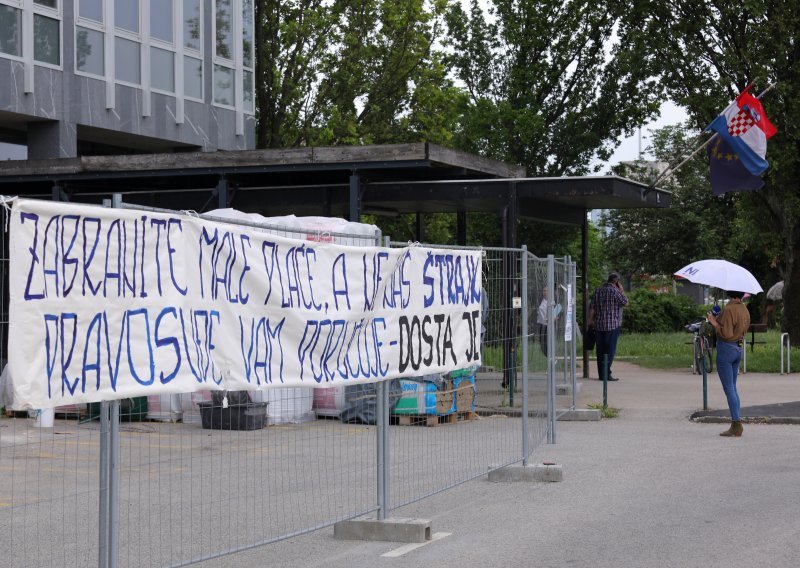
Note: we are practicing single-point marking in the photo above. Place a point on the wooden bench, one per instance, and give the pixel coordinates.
(752, 330)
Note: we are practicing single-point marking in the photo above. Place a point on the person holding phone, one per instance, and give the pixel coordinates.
(605, 316)
(731, 325)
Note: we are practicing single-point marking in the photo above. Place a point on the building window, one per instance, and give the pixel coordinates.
(247, 33)
(162, 69)
(223, 85)
(192, 25)
(128, 61)
(224, 29)
(126, 15)
(48, 3)
(161, 20)
(193, 77)
(89, 51)
(46, 40)
(247, 55)
(10, 31)
(247, 91)
(91, 9)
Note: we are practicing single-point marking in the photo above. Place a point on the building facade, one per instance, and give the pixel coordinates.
(90, 77)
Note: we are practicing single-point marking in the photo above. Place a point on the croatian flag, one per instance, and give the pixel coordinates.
(745, 128)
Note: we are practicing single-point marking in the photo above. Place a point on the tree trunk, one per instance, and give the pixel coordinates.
(790, 321)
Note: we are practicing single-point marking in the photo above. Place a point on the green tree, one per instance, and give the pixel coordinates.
(352, 72)
(552, 84)
(660, 241)
(709, 51)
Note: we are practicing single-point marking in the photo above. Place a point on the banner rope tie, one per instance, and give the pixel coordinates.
(6, 202)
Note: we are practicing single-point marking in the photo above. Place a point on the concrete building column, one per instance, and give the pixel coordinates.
(52, 139)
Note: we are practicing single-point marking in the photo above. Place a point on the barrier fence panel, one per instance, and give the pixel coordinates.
(467, 441)
(221, 491)
(141, 482)
(49, 484)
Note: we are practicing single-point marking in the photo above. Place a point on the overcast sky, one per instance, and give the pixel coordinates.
(629, 149)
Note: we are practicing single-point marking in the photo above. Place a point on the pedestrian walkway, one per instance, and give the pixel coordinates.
(648, 489)
(677, 392)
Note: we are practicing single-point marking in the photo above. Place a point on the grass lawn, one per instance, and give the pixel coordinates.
(674, 350)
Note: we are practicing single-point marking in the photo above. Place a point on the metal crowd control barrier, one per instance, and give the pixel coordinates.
(115, 484)
(787, 349)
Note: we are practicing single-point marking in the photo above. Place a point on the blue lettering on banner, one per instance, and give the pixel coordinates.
(113, 258)
(138, 339)
(339, 283)
(359, 357)
(66, 259)
(34, 256)
(88, 258)
(182, 290)
(168, 341)
(263, 339)
(159, 224)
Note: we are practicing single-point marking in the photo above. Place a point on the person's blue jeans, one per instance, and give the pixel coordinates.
(606, 346)
(728, 356)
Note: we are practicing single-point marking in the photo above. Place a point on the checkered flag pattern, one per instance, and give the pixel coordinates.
(740, 123)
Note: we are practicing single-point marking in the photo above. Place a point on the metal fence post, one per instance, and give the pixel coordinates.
(380, 449)
(102, 539)
(524, 294)
(113, 493)
(382, 434)
(574, 317)
(551, 351)
(785, 342)
(113, 462)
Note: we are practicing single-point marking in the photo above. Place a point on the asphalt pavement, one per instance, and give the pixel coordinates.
(650, 488)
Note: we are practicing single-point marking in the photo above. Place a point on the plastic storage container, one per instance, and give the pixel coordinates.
(250, 416)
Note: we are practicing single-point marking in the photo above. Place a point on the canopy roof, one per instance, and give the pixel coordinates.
(333, 181)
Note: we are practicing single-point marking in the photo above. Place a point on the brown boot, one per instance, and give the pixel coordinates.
(735, 430)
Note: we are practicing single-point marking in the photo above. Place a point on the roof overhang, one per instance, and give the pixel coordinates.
(390, 179)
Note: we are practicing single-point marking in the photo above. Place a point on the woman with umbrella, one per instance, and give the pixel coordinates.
(731, 325)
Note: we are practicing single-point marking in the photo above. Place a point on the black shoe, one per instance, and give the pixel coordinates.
(613, 379)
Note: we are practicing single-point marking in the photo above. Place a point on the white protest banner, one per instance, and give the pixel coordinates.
(112, 303)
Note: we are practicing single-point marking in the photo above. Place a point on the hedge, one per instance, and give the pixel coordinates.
(649, 312)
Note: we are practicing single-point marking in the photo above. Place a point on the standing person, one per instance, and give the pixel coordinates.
(605, 316)
(541, 322)
(731, 326)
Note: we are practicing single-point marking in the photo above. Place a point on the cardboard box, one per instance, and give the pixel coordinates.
(464, 388)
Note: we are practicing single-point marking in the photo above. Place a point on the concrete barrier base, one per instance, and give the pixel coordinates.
(533, 472)
(566, 389)
(581, 415)
(392, 530)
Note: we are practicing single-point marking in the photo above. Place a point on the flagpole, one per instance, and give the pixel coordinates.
(672, 169)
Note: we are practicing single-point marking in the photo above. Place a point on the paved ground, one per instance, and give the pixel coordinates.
(651, 488)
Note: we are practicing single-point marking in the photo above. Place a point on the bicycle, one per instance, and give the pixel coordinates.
(702, 346)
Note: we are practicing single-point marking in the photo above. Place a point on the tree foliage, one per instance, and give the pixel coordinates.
(351, 72)
(552, 84)
(712, 50)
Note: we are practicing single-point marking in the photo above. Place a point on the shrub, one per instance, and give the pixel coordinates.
(649, 312)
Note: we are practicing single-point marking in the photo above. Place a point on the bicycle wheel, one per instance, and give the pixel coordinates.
(702, 355)
(697, 354)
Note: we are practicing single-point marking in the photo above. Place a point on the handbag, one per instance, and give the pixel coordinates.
(589, 339)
